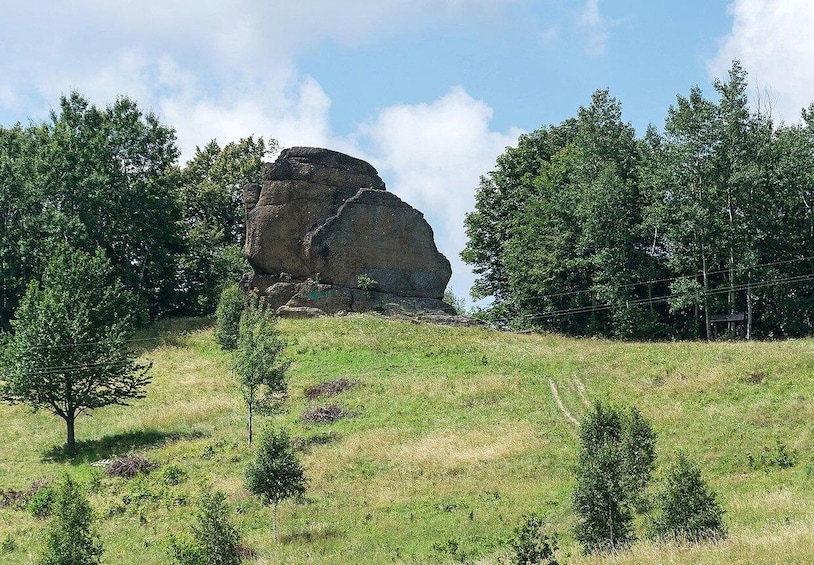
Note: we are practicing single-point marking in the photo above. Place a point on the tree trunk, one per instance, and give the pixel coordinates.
(70, 444)
(706, 291)
(275, 521)
(749, 307)
(251, 412)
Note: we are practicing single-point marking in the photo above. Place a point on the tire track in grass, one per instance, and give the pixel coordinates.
(560, 405)
(581, 391)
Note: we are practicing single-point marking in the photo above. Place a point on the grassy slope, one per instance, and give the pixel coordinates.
(456, 434)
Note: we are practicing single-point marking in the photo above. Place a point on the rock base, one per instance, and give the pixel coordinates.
(306, 299)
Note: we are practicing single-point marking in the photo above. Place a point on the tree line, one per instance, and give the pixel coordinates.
(703, 229)
(108, 179)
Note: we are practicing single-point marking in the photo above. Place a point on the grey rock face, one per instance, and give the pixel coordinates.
(326, 216)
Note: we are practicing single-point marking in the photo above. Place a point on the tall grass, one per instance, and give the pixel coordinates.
(453, 435)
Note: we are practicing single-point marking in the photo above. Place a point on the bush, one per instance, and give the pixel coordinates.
(70, 538)
(458, 303)
(685, 507)
(8, 545)
(41, 502)
(173, 475)
(227, 316)
(214, 540)
(366, 283)
(531, 545)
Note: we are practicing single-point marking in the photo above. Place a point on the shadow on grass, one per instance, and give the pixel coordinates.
(169, 331)
(311, 535)
(114, 445)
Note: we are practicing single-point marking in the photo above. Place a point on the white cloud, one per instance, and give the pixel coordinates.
(596, 26)
(773, 41)
(432, 156)
(227, 69)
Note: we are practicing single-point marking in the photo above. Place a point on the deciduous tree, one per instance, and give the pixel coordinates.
(275, 474)
(70, 537)
(258, 359)
(68, 353)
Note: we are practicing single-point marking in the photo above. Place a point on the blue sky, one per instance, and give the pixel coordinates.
(429, 91)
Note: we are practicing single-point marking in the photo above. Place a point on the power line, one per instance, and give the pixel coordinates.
(663, 298)
(668, 279)
(89, 343)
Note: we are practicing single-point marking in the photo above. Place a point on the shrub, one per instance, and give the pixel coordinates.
(366, 283)
(227, 316)
(530, 543)
(19, 499)
(214, 539)
(70, 538)
(685, 507)
(173, 475)
(41, 502)
(8, 545)
(458, 303)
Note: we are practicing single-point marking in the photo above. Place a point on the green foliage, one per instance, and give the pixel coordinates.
(531, 544)
(214, 541)
(639, 451)
(366, 282)
(8, 545)
(457, 302)
(582, 228)
(68, 353)
(109, 178)
(275, 474)
(42, 502)
(230, 307)
(616, 459)
(685, 507)
(211, 195)
(173, 475)
(258, 359)
(111, 183)
(779, 457)
(70, 538)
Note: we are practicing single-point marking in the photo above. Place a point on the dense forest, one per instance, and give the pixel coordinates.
(108, 179)
(702, 230)
(699, 230)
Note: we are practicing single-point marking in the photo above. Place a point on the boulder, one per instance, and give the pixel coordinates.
(324, 217)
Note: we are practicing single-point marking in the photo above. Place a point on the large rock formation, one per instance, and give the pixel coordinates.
(321, 223)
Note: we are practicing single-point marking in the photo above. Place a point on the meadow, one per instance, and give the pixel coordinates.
(450, 436)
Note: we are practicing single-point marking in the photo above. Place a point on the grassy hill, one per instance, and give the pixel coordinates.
(453, 435)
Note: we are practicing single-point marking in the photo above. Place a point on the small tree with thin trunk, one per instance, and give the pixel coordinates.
(686, 508)
(616, 460)
(214, 539)
(275, 474)
(70, 538)
(258, 359)
(68, 352)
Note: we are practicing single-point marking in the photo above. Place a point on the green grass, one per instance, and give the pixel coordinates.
(455, 435)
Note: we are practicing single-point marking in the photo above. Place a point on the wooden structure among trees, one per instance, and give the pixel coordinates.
(735, 325)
